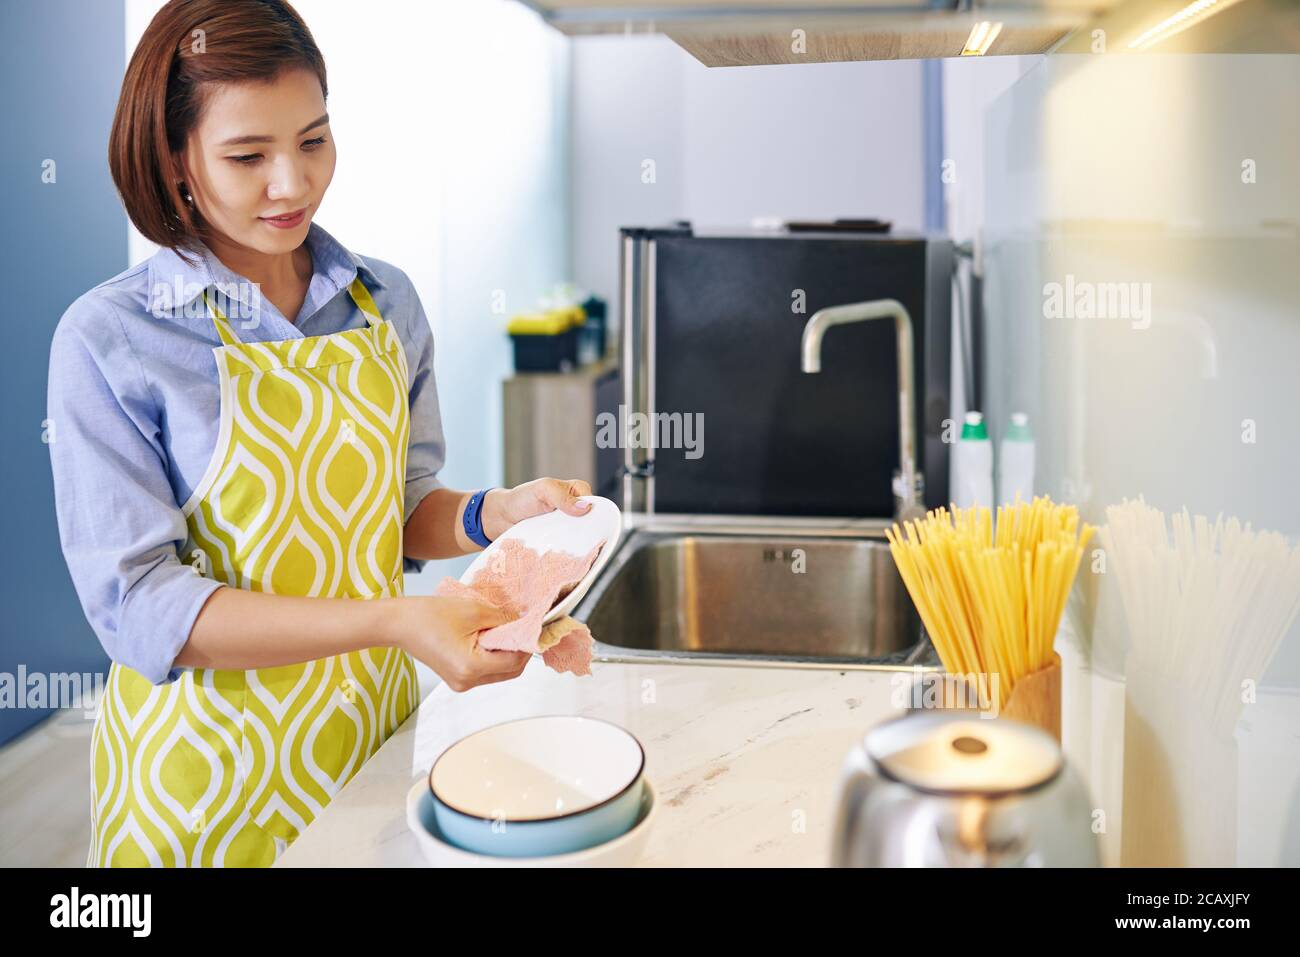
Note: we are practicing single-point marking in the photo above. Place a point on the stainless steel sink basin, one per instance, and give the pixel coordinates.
(754, 599)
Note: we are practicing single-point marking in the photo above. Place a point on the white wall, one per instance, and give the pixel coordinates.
(970, 87)
(626, 107)
(809, 141)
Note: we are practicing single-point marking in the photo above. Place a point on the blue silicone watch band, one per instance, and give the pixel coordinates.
(473, 520)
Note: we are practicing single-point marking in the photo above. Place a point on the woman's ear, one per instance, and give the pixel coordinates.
(188, 210)
(180, 167)
(180, 174)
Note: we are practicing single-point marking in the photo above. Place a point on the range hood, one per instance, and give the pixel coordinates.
(753, 32)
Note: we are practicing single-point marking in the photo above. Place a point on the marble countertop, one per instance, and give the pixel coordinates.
(745, 760)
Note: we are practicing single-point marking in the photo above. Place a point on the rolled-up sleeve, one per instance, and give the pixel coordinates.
(427, 450)
(119, 524)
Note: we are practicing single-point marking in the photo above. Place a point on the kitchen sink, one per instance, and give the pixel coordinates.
(784, 600)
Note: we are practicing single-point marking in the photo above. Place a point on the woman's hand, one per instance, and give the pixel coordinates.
(443, 633)
(504, 507)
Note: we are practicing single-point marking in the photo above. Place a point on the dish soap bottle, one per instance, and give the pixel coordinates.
(1016, 462)
(974, 459)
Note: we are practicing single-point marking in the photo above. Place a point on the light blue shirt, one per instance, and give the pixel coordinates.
(133, 412)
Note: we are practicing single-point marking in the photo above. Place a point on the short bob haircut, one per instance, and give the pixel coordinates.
(190, 43)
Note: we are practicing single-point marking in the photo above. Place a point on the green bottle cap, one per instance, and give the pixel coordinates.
(1018, 430)
(974, 428)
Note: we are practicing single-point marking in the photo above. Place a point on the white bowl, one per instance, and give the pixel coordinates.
(538, 786)
(622, 851)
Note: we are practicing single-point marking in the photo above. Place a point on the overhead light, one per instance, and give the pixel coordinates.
(981, 38)
(1188, 16)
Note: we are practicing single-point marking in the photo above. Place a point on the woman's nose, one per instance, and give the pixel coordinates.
(287, 182)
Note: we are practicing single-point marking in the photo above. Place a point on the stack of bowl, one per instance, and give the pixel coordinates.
(550, 791)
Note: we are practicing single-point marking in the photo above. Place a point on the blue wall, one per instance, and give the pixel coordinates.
(62, 70)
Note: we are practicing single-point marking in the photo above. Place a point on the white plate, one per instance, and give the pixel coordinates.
(622, 851)
(573, 534)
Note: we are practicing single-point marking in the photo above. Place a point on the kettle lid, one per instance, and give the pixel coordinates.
(958, 752)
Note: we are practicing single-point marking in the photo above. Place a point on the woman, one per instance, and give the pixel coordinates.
(246, 436)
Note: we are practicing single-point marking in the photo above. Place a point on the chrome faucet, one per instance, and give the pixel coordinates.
(908, 482)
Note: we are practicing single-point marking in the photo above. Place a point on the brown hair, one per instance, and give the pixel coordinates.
(190, 43)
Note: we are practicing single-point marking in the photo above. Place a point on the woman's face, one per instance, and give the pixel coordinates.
(260, 151)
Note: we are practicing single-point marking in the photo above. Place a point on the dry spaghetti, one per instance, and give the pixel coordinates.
(991, 600)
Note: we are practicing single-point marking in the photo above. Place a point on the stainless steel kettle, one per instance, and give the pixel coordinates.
(949, 788)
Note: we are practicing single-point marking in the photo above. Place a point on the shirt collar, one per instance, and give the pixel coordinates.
(174, 283)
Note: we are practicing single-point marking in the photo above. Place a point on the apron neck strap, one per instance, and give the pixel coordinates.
(224, 330)
(360, 295)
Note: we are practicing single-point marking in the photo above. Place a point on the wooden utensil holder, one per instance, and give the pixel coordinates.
(1036, 699)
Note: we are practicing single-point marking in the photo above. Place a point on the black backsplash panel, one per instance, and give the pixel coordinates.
(777, 441)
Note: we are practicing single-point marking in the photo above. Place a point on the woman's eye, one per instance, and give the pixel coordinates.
(312, 144)
(246, 159)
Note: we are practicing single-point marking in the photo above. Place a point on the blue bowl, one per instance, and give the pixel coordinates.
(538, 787)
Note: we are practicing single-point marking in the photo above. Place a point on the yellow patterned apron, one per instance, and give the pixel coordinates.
(303, 496)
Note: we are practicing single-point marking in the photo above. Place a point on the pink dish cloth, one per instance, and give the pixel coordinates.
(572, 652)
(528, 583)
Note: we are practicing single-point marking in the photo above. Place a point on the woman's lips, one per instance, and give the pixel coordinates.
(287, 221)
